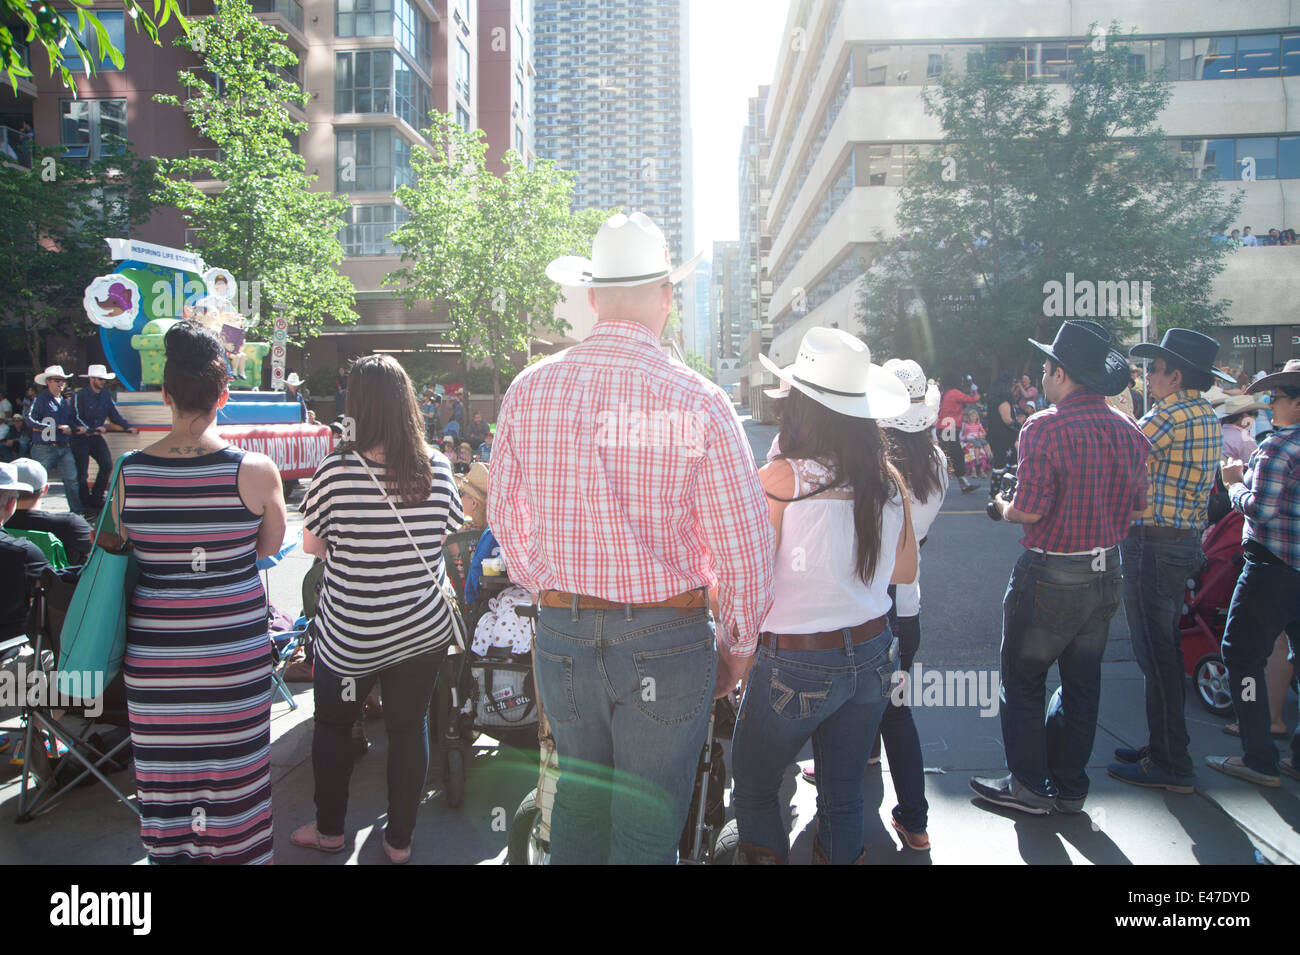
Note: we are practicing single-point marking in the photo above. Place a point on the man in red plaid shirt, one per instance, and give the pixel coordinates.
(622, 491)
(1081, 480)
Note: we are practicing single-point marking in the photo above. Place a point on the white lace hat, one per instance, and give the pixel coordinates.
(924, 410)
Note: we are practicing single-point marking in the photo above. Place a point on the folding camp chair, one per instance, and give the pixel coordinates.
(49, 545)
(286, 643)
(42, 788)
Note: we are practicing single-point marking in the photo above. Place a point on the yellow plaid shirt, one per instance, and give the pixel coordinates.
(1186, 445)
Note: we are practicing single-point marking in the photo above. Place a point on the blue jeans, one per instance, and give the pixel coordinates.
(1155, 579)
(1265, 602)
(1056, 610)
(58, 459)
(407, 687)
(836, 697)
(628, 694)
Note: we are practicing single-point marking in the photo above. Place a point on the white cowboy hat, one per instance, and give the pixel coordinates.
(99, 371)
(834, 369)
(628, 250)
(1236, 404)
(924, 395)
(293, 380)
(9, 479)
(54, 371)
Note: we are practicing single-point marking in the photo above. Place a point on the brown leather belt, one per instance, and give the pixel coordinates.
(827, 640)
(1156, 531)
(687, 602)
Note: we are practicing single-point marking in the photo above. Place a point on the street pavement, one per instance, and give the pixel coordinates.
(966, 562)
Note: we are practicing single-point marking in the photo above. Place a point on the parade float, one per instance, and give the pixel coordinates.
(152, 288)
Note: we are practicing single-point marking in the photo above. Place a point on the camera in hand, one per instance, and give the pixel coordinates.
(1002, 483)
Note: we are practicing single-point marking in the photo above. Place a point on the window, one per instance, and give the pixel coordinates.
(517, 107)
(363, 82)
(88, 126)
(1221, 59)
(1262, 150)
(1219, 159)
(519, 141)
(520, 56)
(363, 18)
(462, 71)
(371, 160)
(368, 228)
(1257, 55)
(462, 117)
(934, 66)
(462, 11)
(1291, 54)
(113, 24)
(1288, 157)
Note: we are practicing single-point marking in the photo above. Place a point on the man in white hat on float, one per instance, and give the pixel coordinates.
(94, 407)
(53, 421)
(622, 490)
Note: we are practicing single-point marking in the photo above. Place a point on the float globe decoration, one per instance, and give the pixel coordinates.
(152, 288)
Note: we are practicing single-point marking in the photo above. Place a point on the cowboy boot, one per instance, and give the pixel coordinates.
(819, 855)
(749, 854)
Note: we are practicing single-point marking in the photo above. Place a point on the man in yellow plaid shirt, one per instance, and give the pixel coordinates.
(1163, 547)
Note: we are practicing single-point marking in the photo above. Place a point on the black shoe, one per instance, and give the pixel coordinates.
(966, 485)
(1006, 791)
(1126, 754)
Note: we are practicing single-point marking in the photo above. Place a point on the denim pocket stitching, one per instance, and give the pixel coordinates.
(1047, 616)
(642, 657)
(810, 701)
(692, 619)
(567, 664)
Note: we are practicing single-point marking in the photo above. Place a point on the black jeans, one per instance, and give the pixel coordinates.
(85, 447)
(898, 731)
(956, 456)
(408, 686)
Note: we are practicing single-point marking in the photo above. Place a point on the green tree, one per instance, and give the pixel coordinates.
(41, 23)
(697, 362)
(1028, 186)
(265, 223)
(478, 244)
(57, 215)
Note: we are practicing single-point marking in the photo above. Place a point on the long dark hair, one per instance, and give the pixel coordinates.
(384, 412)
(913, 453)
(856, 452)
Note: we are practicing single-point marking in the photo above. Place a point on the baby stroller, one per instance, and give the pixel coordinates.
(491, 694)
(1205, 612)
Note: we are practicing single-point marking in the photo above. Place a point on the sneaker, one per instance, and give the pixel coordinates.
(1147, 774)
(1126, 754)
(919, 841)
(809, 775)
(1242, 771)
(1007, 791)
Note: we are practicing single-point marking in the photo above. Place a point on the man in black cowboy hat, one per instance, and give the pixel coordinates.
(1163, 548)
(1080, 481)
(1266, 491)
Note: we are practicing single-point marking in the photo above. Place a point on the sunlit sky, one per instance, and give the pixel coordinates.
(733, 47)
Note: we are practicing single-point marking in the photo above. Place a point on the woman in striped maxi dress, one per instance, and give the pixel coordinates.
(199, 514)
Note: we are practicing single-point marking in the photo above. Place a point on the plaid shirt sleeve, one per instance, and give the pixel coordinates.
(737, 529)
(1158, 426)
(1036, 480)
(1260, 496)
(508, 515)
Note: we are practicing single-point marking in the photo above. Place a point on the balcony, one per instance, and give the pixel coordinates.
(15, 148)
(286, 14)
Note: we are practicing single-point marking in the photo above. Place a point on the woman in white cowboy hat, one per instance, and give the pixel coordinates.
(1237, 418)
(826, 658)
(95, 408)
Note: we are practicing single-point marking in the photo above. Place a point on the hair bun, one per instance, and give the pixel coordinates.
(191, 345)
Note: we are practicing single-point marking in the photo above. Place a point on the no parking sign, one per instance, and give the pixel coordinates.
(279, 348)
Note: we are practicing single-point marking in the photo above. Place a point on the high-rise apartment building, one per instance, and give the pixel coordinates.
(844, 114)
(728, 309)
(755, 244)
(612, 106)
(506, 77)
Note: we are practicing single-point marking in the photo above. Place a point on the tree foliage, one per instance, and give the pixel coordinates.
(39, 22)
(478, 244)
(57, 215)
(264, 222)
(1032, 182)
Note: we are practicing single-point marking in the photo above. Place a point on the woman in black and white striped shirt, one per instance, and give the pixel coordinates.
(372, 503)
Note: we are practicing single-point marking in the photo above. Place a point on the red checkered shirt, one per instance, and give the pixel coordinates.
(1083, 467)
(621, 474)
